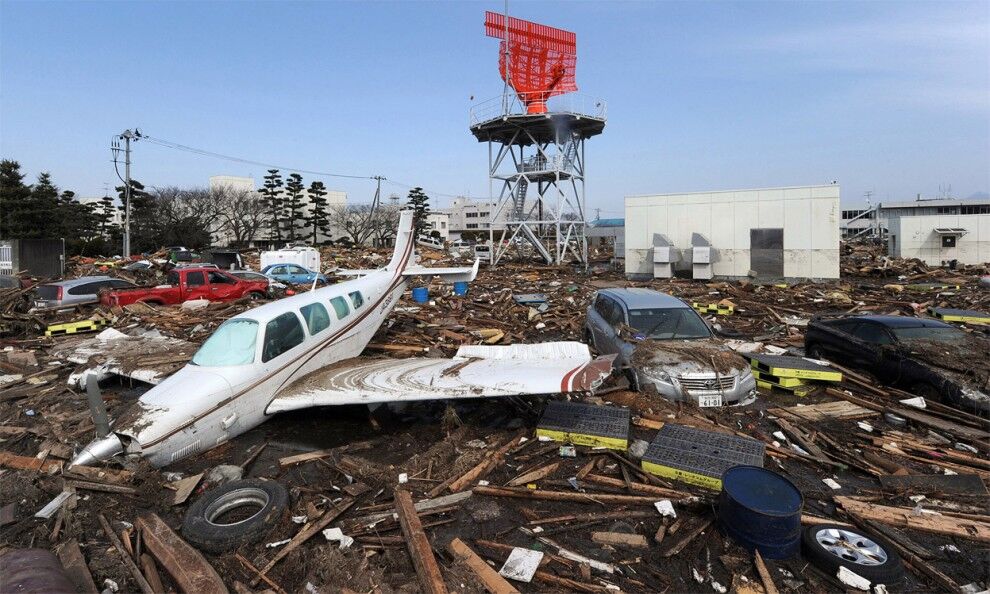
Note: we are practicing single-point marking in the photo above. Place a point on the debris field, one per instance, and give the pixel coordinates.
(476, 496)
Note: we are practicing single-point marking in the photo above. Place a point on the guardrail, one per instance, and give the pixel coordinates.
(511, 104)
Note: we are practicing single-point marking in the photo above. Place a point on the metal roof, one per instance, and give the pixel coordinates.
(934, 202)
(640, 298)
(607, 223)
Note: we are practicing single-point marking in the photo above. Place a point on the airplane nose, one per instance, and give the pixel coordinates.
(98, 450)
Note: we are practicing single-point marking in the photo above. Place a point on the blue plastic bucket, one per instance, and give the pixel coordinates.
(761, 509)
(460, 288)
(421, 294)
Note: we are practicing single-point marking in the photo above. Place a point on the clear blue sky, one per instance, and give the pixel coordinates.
(886, 96)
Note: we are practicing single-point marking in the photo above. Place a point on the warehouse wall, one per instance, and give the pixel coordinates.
(915, 237)
(809, 216)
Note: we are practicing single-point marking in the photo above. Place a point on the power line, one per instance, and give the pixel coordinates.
(206, 153)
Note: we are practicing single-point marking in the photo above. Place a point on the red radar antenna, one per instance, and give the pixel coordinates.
(542, 59)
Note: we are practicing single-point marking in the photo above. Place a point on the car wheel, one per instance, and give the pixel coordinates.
(814, 351)
(255, 296)
(830, 546)
(633, 378)
(216, 522)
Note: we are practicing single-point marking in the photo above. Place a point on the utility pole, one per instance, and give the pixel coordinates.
(378, 192)
(127, 136)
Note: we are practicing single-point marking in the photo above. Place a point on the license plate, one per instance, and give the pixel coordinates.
(710, 401)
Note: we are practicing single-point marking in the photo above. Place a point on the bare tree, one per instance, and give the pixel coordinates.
(384, 223)
(244, 214)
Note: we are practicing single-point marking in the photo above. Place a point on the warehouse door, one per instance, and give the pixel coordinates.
(766, 252)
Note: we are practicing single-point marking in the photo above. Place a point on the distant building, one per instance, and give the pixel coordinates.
(439, 222)
(117, 214)
(605, 232)
(474, 214)
(768, 233)
(938, 239)
(876, 220)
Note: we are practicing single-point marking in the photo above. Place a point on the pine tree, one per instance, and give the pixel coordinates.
(293, 210)
(15, 200)
(421, 207)
(271, 196)
(105, 212)
(319, 216)
(146, 229)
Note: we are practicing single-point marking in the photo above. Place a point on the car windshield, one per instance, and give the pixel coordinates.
(929, 334)
(668, 323)
(233, 343)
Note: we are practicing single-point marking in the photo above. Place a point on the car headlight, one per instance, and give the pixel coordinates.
(658, 374)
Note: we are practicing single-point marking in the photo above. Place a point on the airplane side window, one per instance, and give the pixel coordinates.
(316, 316)
(357, 298)
(340, 307)
(281, 334)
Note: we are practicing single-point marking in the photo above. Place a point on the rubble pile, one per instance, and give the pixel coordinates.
(473, 496)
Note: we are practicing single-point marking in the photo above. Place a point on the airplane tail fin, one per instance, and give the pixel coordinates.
(404, 242)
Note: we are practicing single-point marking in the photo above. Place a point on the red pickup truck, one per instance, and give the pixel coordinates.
(183, 284)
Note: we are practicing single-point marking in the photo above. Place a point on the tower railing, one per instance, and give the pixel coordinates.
(510, 104)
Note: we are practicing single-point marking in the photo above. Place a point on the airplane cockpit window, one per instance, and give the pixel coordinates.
(340, 307)
(281, 334)
(357, 298)
(231, 344)
(316, 316)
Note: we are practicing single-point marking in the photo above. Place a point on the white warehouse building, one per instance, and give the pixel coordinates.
(941, 238)
(769, 233)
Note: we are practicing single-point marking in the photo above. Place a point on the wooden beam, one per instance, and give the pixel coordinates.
(598, 498)
(975, 530)
(637, 487)
(765, 577)
(488, 577)
(687, 537)
(187, 566)
(135, 572)
(423, 560)
(621, 539)
(484, 467)
(151, 573)
(75, 566)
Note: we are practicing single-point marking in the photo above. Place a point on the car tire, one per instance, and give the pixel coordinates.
(256, 296)
(830, 546)
(202, 530)
(633, 378)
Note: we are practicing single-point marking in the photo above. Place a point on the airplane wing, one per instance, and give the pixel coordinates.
(460, 273)
(474, 372)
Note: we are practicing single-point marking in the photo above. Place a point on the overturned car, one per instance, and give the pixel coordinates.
(663, 344)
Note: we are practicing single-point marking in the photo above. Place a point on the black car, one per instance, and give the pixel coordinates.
(925, 357)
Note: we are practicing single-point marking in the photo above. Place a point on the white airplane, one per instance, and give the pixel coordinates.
(303, 351)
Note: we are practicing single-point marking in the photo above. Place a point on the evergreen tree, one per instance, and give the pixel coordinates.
(271, 196)
(146, 229)
(319, 216)
(293, 211)
(105, 212)
(15, 200)
(421, 207)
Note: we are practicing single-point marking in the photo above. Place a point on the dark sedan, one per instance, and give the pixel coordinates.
(926, 357)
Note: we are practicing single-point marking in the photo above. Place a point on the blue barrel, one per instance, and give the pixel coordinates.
(460, 288)
(760, 509)
(421, 294)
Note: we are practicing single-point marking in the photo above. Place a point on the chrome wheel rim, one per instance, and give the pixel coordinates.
(851, 546)
(238, 498)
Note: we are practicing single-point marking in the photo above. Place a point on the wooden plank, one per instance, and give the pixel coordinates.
(534, 475)
(186, 565)
(637, 487)
(425, 563)
(99, 475)
(765, 577)
(598, 498)
(622, 539)
(687, 537)
(903, 517)
(185, 487)
(306, 457)
(29, 463)
(814, 413)
(488, 577)
(485, 466)
(151, 573)
(75, 566)
(105, 487)
(135, 572)
(303, 535)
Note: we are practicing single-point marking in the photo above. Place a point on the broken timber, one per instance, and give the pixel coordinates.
(418, 545)
(189, 569)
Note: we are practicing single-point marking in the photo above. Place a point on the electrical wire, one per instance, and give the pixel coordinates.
(206, 153)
